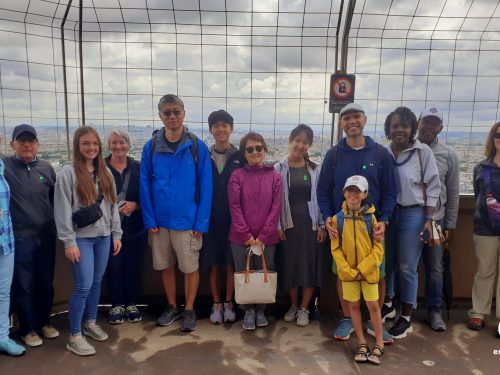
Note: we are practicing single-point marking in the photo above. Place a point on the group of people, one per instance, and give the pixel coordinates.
(200, 206)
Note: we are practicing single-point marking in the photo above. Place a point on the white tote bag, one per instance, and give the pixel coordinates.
(252, 286)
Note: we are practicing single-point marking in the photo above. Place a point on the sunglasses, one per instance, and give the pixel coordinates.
(497, 135)
(169, 113)
(252, 148)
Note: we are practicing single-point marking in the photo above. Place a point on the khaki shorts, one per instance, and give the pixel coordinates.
(352, 291)
(175, 246)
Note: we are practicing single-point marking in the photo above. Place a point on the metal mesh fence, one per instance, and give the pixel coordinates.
(266, 62)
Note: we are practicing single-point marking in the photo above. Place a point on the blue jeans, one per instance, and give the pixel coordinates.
(6, 272)
(433, 262)
(87, 274)
(32, 289)
(125, 270)
(403, 250)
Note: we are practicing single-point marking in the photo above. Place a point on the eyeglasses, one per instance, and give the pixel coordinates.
(176, 113)
(30, 141)
(497, 135)
(252, 148)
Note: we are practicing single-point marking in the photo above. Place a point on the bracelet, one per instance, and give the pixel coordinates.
(429, 217)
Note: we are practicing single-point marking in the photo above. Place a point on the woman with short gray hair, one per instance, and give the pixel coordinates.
(124, 270)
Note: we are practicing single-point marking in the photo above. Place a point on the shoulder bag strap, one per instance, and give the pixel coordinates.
(424, 186)
(126, 182)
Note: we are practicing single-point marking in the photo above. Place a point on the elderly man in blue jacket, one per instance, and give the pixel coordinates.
(357, 154)
(176, 198)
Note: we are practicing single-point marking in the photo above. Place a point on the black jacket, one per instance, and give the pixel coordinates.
(482, 225)
(32, 196)
(131, 225)
(220, 217)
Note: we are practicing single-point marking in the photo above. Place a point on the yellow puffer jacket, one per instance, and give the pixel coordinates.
(358, 254)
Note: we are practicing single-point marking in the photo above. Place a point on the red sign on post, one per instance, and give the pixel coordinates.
(341, 91)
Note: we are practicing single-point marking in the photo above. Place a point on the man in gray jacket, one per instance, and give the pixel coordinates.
(430, 125)
(31, 182)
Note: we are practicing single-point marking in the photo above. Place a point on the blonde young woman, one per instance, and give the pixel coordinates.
(80, 185)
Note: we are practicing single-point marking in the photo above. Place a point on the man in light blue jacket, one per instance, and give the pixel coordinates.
(176, 198)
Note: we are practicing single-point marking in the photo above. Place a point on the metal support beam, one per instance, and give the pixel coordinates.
(65, 79)
(80, 45)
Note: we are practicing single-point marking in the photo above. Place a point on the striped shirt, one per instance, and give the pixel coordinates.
(6, 232)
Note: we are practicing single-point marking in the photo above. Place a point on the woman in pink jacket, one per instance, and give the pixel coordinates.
(255, 203)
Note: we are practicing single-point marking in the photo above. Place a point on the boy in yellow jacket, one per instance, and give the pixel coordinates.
(358, 257)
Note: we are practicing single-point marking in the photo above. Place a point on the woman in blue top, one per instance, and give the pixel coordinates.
(7, 345)
(418, 187)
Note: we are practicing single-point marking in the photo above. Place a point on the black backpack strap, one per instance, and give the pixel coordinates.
(194, 153)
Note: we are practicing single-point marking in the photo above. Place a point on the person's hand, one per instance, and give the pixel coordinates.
(197, 234)
(321, 235)
(73, 254)
(250, 242)
(117, 246)
(448, 236)
(379, 231)
(332, 232)
(281, 234)
(153, 230)
(427, 227)
(359, 277)
(259, 242)
(128, 208)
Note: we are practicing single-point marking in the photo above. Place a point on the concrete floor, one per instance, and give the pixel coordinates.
(281, 348)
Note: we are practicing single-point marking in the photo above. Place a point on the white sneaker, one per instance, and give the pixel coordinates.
(216, 315)
(302, 317)
(80, 346)
(94, 331)
(229, 314)
(291, 314)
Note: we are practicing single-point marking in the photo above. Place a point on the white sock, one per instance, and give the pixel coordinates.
(388, 304)
(406, 317)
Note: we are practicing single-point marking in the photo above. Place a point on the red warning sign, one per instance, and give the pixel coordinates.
(341, 91)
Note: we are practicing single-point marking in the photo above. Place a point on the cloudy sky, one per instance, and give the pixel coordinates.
(267, 62)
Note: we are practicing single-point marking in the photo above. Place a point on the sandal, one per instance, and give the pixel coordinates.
(376, 355)
(362, 353)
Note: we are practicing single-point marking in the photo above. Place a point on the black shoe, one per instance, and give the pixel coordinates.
(387, 312)
(401, 328)
(189, 321)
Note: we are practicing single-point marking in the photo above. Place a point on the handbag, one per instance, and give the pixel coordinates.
(437, 237)
(85, 216)
(252, 286)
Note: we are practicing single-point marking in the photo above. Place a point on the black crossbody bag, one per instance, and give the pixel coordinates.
(85, 216)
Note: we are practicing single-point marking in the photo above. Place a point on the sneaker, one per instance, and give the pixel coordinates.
(115, 315)
(229, 314)
(216, 315)
(387, 312)
(249, 320)
(11, 347)
(291, 314)
(260, 319)
(32, 340)
(302, 317)
(133, 314)
(475, 324)
(189, 321)
(94, 331)
(170, 315)
(386, 336)
(49, 332)
(344, 329)
(436, 321)
(401, 328)
(80, 346)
